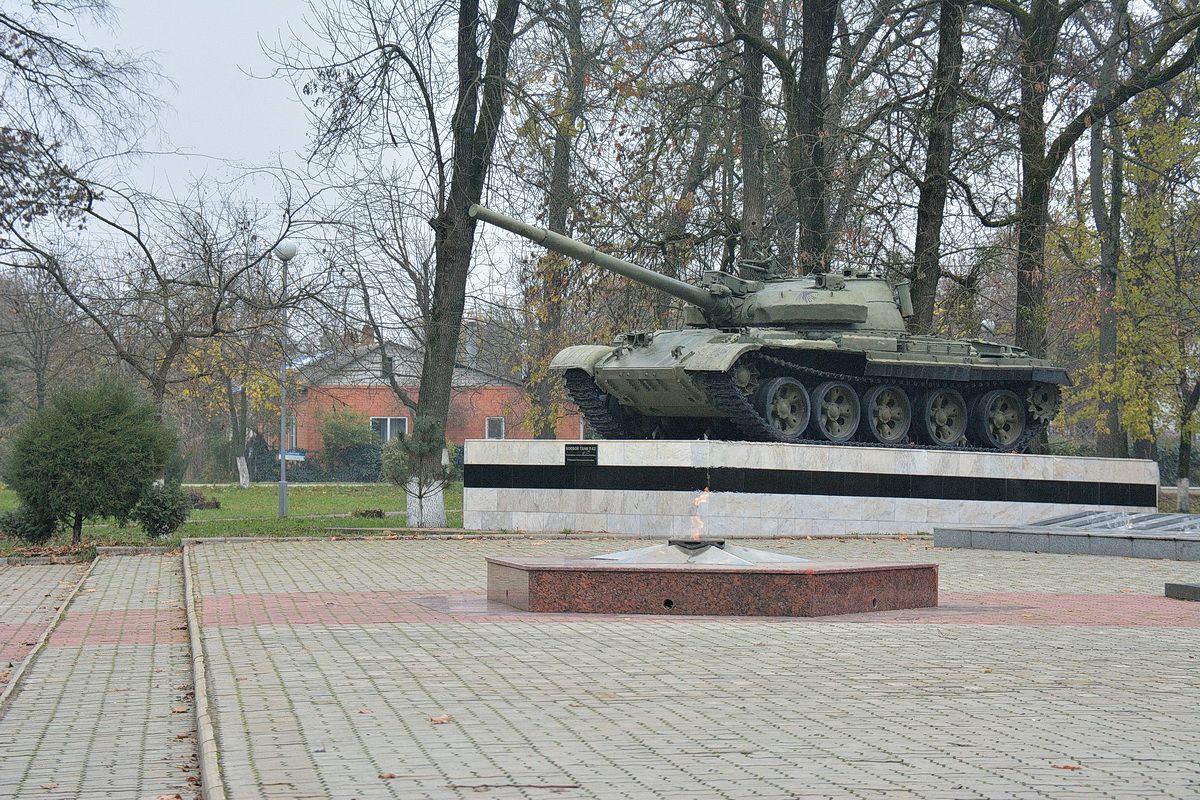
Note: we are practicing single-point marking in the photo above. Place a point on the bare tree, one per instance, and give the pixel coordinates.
(156, 277)
(383, 89)
(63, 102)
(934, 187)
(40, 329)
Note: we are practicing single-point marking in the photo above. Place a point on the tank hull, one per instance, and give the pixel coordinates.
(709, 382)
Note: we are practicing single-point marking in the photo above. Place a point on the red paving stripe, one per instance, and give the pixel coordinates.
(127, 626)
(969, 608)
(17, 639)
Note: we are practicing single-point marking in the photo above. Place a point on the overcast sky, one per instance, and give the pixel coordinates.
(223, 105)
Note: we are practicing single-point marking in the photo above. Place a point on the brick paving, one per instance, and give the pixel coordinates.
(104, 711)
(332, 662)
(30, 596)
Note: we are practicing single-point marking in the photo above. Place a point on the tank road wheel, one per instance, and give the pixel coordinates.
(1041, 402)
(889, 414)
(746, 378)
(997, 420)
(783, 403)
(941, 417)
(836, 411)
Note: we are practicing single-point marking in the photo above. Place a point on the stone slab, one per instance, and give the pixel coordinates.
(815, 589)
(1183, 591)
(1037, 539)
(762, 489)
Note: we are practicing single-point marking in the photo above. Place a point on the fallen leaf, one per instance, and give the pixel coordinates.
(1072, 767)
(441, 719)
(179, 710)
(365, 711)
(987, 669)
(169, 797)
(49, 785)
(193, 779)
(387, 776)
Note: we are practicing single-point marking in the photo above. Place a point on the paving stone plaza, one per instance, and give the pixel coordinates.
(377, 669)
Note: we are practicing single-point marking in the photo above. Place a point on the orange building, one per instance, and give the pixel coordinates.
(482, 405)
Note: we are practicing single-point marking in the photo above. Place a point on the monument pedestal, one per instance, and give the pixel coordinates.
(649, 488)
(814, 589)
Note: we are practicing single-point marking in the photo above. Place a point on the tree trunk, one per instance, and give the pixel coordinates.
(553, 268)
(474, 125)
(931, 204)
(1111, 440)
(751, 134)
(77, 529)
(425, 505)
(1039, 37)
(809, 181)
(1106, 215)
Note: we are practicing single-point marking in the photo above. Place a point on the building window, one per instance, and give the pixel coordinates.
(293, 435)
(495, 428)
(388, 428)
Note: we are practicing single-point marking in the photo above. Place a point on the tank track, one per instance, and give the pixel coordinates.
(593, 404)
(725, 395)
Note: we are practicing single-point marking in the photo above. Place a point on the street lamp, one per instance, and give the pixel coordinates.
(285, 251)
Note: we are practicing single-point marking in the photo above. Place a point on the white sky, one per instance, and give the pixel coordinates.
(223, 105)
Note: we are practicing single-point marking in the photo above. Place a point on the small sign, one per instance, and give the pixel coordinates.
(291, 455)
(588, 454)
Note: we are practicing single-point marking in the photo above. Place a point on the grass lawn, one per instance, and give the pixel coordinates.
(254, 512)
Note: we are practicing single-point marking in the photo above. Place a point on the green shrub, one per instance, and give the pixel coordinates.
(417, 456)
(92, 452)
(23, 524)
(349, 448)
(162, 510)
(344, 428)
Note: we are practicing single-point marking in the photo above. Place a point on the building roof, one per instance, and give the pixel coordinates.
(362, 365)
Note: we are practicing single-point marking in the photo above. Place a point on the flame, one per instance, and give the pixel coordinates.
(697, 522)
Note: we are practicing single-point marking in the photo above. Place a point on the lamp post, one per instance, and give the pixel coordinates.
(285, 251)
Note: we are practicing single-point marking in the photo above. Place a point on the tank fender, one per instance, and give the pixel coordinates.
(715, 356)
(580, 356)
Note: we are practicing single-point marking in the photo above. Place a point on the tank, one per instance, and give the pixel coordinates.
(821, 358)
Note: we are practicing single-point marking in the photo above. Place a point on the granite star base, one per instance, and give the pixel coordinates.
(813, 589)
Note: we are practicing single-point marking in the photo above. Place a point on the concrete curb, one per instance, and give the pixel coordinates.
(131, 550)
(15, 678)
(412, 533)
(37, 561)
(387, 535)
(212, 787)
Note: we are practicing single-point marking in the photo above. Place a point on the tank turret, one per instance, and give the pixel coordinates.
(724, 300)
(818, 358)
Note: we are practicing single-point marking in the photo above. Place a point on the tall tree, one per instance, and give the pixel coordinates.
(1039, 27)
(805, 89)
(382, 86)
(1107, 189)
(934, 187)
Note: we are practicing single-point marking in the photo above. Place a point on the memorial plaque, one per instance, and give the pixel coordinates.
(587, 454)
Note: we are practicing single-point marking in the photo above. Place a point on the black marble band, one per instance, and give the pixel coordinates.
(816, 482)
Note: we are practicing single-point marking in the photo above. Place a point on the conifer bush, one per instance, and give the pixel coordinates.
(92, 452)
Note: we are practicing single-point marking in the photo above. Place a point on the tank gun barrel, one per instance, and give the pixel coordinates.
(590, 255)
